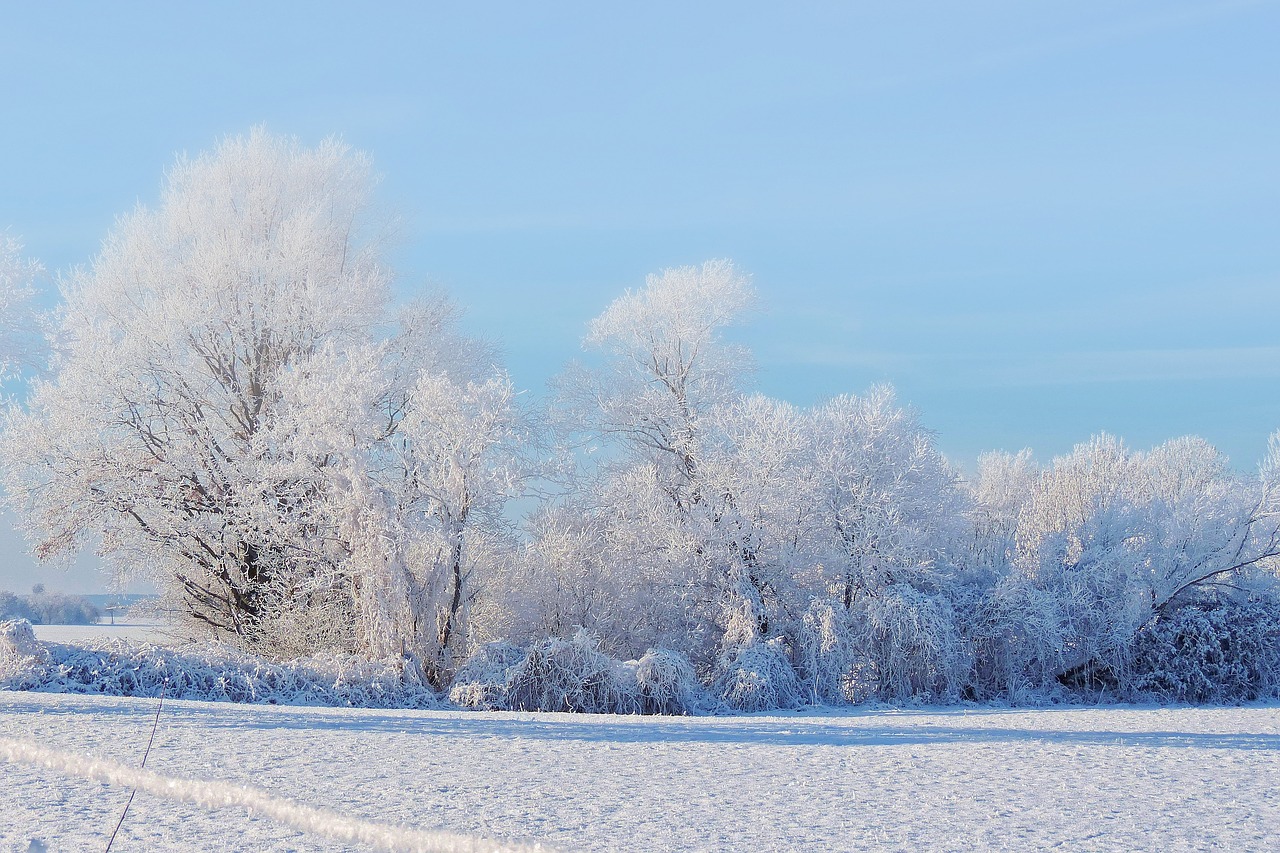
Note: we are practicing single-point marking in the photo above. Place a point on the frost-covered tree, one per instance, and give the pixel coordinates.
(457, 461)
(886, 515)
(667, 367)
(227, 414)
(1110, 541)
(21, 325)
(651, 405)
(1004, 483)
(159, 431)
(889, 503)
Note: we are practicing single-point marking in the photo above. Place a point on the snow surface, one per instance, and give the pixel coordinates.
(159, 633)
(955, 779)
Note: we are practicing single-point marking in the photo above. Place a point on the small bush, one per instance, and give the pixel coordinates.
(23, 659)
(482, 681)
(826, 651)
(907, 648)
(667, 684)
(571, 675)
(1217, 653)
(207, 671)
(759, 678)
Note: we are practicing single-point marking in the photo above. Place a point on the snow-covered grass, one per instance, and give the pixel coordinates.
(956, 779)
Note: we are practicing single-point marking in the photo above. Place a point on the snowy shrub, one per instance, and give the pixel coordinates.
(1215, 653)
(23, 660)
(826, 651)
(759, 677)
(667, 684)
(571, 675)
(482, 681)
(1015, 632)
(907, 647)
(208, 671)
(18, 640)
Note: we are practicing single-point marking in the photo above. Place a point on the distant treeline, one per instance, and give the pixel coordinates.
(48, 608)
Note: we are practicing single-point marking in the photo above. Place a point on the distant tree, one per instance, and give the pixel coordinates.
(16, 607)
(48, 608)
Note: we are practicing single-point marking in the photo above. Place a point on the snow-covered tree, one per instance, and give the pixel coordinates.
(159, 431)
(667, 367)
(1110, 541)
(1004, 483)
(651, 406)
(21, 325)
(885, 518)
(227, 414)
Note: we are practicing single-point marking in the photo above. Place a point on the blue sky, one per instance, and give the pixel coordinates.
(1038, 220)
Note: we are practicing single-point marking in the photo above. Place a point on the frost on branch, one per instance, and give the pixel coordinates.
(21, 326)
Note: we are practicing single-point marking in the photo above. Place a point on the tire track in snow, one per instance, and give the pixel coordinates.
(216, 795)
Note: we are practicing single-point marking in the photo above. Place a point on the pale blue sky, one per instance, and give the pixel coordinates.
(1039, 220)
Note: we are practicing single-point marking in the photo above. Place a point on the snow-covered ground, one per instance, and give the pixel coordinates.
(137, 631)
(1077, 779)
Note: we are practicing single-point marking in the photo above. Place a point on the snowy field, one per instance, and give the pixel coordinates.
(1082, 779)
(156, 632)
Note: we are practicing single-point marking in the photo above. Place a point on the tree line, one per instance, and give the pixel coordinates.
(233, 407)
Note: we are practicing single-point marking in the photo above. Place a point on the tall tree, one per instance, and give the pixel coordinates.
(652, 404)
(228, 415)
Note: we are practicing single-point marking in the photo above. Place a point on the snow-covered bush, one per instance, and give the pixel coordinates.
(482, 681)
(667, 684)
(1213, 652)
(907, 647)
(206, 671)
(1015, 634)
(759, 677)
(22, 658)
(571, 675)
(826, 652)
